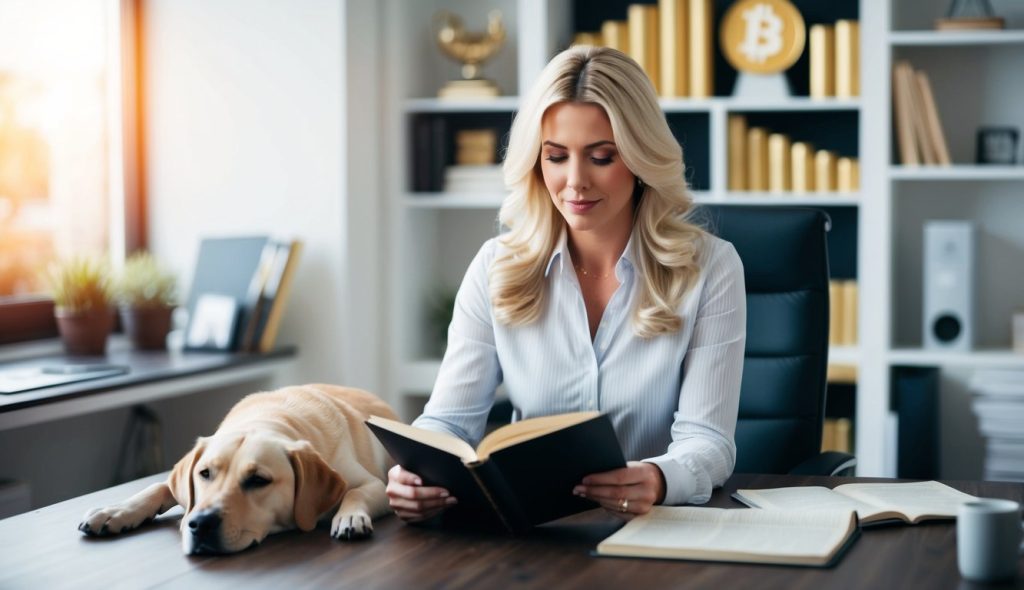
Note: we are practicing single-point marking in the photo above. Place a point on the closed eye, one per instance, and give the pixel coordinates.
(255, 481)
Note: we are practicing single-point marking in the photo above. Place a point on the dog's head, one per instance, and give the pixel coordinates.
(239, 487)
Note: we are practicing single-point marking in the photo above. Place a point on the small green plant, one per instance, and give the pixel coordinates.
(145, 283)
(80, 283)
(441, 309)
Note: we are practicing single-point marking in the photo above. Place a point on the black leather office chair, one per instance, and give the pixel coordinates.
(782, 398)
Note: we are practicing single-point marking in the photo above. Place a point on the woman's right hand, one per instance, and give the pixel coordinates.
(411, 500)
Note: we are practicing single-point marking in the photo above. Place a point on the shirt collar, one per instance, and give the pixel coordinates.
(561, 252)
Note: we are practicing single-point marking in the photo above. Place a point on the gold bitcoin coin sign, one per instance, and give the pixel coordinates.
(762, 36)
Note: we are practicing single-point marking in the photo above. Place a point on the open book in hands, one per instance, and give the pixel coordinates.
(810, 538)
(519, 476)
(874, 502)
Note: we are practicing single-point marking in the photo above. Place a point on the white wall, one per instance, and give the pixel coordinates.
(247, 116)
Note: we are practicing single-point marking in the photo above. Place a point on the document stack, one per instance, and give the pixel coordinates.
(999, 405)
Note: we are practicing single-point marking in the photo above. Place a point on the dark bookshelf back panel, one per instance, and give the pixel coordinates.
(589, 14)
(693, 132)
(432, 143)
(841, 401)
(825, 130)
(842, 242)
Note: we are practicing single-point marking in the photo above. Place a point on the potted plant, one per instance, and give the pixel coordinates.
(82, 305)
(146, 295)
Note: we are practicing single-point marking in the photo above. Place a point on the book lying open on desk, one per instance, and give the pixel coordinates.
(811, 538)
(519, 476)
(910, 502)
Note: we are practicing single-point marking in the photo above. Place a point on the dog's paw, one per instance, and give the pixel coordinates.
(111, 520)
(357, 525)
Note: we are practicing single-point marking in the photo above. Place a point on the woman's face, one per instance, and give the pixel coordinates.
(582, 169)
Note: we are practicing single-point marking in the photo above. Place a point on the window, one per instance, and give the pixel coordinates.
(69, 166)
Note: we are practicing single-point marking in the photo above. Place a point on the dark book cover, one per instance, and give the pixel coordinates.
(439, 152)
(526, 484)
(421, 154)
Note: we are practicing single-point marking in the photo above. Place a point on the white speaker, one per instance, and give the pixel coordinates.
(948, 285)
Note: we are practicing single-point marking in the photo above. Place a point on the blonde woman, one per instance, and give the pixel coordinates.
(599, 296)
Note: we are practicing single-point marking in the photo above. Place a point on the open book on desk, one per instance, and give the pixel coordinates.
(909, 502)
(810, 538)
(519, 476)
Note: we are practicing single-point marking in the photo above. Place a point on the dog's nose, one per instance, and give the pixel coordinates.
(204, 522)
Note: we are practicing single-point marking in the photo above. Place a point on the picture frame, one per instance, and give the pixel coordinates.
(997, 146)
(213, 324)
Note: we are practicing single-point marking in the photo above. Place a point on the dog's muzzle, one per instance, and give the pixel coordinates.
(204, 526)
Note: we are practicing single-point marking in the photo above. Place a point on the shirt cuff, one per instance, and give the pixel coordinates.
(680, 481)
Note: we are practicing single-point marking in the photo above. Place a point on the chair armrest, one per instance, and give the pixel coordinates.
(827, 463)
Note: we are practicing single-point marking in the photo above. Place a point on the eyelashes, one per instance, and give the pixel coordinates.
(596, 161)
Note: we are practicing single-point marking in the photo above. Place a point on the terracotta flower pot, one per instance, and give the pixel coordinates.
(147, 327)
(85, 332)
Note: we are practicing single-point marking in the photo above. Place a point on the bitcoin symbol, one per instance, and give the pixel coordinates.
(764, 33)
(762, 36)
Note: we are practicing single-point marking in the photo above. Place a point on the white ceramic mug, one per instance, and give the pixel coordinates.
(988, 539)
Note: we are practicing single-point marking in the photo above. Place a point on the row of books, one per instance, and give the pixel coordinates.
(919, 133)
(760, 160)
(671, 40)
(835, 59)
(837, 435)
(255, 272)
(842, 313)
(998, 403)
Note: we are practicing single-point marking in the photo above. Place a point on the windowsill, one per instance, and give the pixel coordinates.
(151, 375)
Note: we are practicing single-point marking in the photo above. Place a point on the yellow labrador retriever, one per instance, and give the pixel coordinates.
(278, 461)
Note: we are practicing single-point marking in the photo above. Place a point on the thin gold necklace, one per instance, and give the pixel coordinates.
(591, 275)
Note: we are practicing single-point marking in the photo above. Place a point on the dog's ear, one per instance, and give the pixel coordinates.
(318, 487)
(180, 481)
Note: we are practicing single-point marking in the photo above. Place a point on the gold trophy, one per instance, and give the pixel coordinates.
(471, 50)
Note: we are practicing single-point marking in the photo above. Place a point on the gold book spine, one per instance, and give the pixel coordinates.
(802, 160)
(643, 40)
(587, 38)
(843, 438)
(701, 50)
(835, 313)
(847, 36)
(824, 171)
(847, 175)
(841, 374)
(779, 168)
(822, 57)
(737, 153)
(828, 434)
(850, 313)
(757, 159)
(673, 61)
(615, 34)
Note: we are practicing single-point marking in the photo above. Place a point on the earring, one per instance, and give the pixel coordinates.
(639, 182)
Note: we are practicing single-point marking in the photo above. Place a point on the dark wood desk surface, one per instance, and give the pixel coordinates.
(43, 549)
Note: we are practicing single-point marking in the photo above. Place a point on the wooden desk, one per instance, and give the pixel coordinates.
(43, 549)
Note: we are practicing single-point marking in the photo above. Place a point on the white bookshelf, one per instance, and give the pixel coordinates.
(433, 236)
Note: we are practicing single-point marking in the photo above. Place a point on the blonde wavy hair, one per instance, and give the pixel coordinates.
(666, 242)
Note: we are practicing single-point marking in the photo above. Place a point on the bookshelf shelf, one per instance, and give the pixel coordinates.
(844, 355)
(499, 104)
(780, 199)
(956, 172)
(975, 359)
(955, 38)
(443, 200)
(795, 103)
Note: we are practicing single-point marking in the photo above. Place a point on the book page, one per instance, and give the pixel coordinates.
(807, 497)
(513, 434)
(811, 536)
(915, 499)
(438, 440)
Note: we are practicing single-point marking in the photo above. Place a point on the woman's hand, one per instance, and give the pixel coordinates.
(631, 490)
(411, 500)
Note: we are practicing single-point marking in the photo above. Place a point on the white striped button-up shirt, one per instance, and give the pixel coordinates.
(672, 399)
